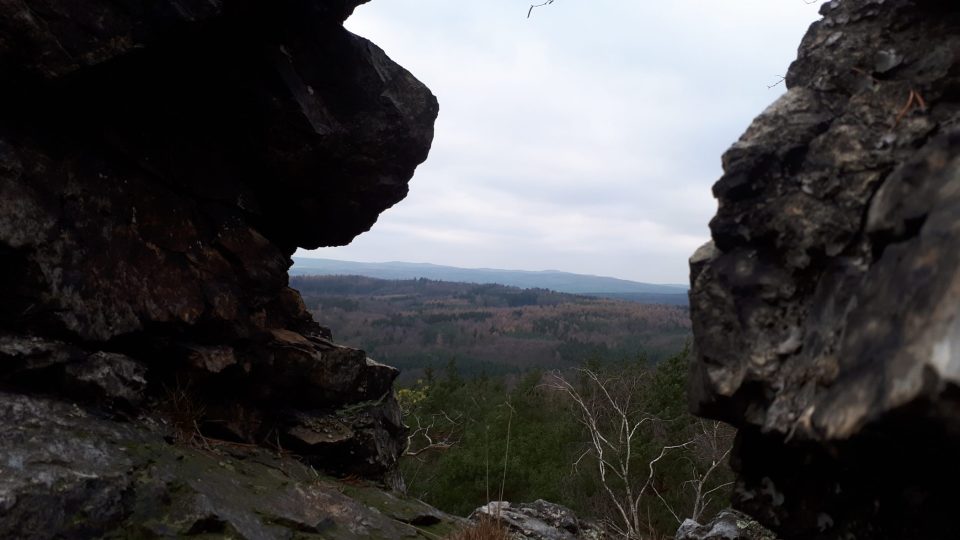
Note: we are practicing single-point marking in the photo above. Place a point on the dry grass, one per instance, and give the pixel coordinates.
(487, 528)
(183, 413)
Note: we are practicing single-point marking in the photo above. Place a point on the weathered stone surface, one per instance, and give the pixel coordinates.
(159, 164)
(726, 525)
(65, 473)
(109, 379)
(539, 520)
(826, 310)
(170, 186)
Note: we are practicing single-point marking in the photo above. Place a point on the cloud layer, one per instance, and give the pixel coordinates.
(585, 138)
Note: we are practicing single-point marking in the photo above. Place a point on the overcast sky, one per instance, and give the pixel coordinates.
(583, 139)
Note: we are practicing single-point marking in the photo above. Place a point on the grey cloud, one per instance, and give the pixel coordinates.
(584, 139)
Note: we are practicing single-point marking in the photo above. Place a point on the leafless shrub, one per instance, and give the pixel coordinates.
(182, 412)
(611, 410)
(436, 432)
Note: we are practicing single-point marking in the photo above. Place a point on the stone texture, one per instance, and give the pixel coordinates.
(825, 309)
(108, 379)
(726, 525)
(159, 164)
(65, 473)
(539, 520)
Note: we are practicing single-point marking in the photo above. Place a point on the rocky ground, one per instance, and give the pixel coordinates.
(67, 473)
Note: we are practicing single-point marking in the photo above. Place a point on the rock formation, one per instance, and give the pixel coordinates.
(826, 309)
(726, 525)
(539, 520)
(159, 165)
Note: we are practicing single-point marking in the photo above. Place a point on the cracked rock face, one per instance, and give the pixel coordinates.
(826, 309)
(159, 165)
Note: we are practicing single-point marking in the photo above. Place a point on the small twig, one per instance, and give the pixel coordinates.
(915, 100)
(199, 434)
(506, 452)
(548, 2)
(423, 431)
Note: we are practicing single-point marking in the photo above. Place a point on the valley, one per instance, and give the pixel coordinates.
(486, 328)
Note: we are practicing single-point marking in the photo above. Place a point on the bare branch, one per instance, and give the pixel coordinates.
(429, 436)
(617, 430)
(532, 6)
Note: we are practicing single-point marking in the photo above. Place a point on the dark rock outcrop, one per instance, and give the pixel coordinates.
(159, 165)
(826, 309)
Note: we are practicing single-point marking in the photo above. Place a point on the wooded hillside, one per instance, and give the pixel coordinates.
(493, 329)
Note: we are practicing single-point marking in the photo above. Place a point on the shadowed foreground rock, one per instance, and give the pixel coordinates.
(826, 309)
(159, 165)
(67, 474)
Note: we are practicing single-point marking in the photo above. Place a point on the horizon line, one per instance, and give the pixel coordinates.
(686, 285)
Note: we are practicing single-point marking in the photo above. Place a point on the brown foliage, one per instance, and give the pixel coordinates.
(410, 324)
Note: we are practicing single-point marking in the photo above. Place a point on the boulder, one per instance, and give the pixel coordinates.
(539, 520)
(726, 525)
(826, 308)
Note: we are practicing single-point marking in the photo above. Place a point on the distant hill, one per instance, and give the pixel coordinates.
(564, 282)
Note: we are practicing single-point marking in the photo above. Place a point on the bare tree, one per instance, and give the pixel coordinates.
(429, 433)
(436, 432)
(712, 445)
(611, 411)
